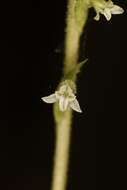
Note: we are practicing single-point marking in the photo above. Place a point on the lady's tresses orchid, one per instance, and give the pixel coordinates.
(107, 8)
(65, 97)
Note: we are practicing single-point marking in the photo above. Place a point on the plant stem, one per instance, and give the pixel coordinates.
(72, 39)
(63, 132)
(64, 120)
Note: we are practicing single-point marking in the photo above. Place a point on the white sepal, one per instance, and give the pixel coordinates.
(117, 10)
(49, 99)
(75, 106)
(107, 14)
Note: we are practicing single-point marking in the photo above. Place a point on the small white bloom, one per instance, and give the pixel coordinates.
(65, 97)
(106, 8)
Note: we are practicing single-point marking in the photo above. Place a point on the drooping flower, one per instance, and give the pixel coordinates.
(65, 97)
(106, 8)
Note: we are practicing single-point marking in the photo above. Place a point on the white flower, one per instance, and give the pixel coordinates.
(65, 97)
(107, 8)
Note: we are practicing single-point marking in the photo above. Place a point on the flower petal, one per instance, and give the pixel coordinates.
(49, 99)
(116, 10)
(109, 4)
(63, 89)
(75, 106)
(63, 103)
(107, 14)
(70, 91)
(97, 17)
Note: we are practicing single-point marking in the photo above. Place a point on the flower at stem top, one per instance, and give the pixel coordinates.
(65, 97)
(106, 8)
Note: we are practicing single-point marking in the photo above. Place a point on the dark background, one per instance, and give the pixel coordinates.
(31, 66)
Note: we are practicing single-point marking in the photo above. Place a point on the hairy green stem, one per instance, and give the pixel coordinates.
(76, 18)
(72, 39)
(63, 132)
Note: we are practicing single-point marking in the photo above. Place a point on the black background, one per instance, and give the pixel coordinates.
(32, 34)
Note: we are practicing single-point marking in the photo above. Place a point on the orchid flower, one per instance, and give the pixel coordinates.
(65, 97)
(106, 8)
